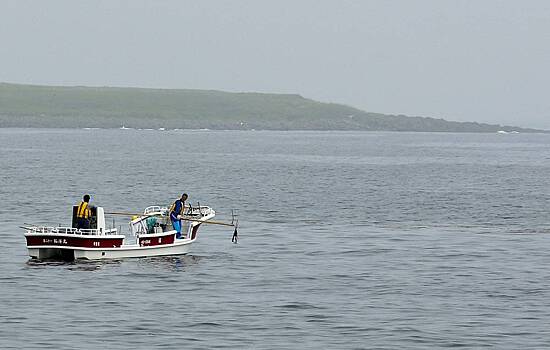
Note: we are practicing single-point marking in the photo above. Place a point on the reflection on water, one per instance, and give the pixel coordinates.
(47, 262)
(83, 265)
(173, 263)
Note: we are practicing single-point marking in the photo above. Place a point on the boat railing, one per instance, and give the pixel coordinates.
(70, 230)
(201, 210)
(155, 209)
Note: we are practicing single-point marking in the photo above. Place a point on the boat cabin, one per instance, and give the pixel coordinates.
(97, 220)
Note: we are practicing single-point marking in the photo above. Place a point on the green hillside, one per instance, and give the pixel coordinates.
(73, 107)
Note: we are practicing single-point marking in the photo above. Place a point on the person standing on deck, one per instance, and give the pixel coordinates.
(83, 213)
(176, 212)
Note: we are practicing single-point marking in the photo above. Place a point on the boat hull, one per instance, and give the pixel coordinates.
(179, 247)
(70, 246)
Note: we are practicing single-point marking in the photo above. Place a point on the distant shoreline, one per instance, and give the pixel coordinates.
(33, 106)
(542, 132)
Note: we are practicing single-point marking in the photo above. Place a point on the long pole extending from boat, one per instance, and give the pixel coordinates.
(185, 219)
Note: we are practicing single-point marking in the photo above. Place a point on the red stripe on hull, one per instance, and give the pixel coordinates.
(159, 240)
(76, 241)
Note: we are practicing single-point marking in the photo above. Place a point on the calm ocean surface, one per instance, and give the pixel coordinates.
(348, 240)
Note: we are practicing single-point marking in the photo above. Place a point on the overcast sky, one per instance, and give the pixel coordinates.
(460, 60)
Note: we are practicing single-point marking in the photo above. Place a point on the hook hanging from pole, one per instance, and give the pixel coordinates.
(235, 237)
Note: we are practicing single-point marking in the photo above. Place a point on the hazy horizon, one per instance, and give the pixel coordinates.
(463, 61)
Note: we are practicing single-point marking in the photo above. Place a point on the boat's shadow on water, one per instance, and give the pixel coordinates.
(83, 265)
(175, 263)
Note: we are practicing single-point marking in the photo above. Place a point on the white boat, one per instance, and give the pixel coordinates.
(150, 234)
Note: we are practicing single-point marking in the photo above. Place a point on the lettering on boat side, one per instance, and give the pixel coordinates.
(155, 241)
(86, 242)
(54, 241)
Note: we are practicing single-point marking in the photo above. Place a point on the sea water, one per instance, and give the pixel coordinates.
(347, 240)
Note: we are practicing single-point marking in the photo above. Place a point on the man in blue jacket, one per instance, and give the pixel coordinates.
(176, 212)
